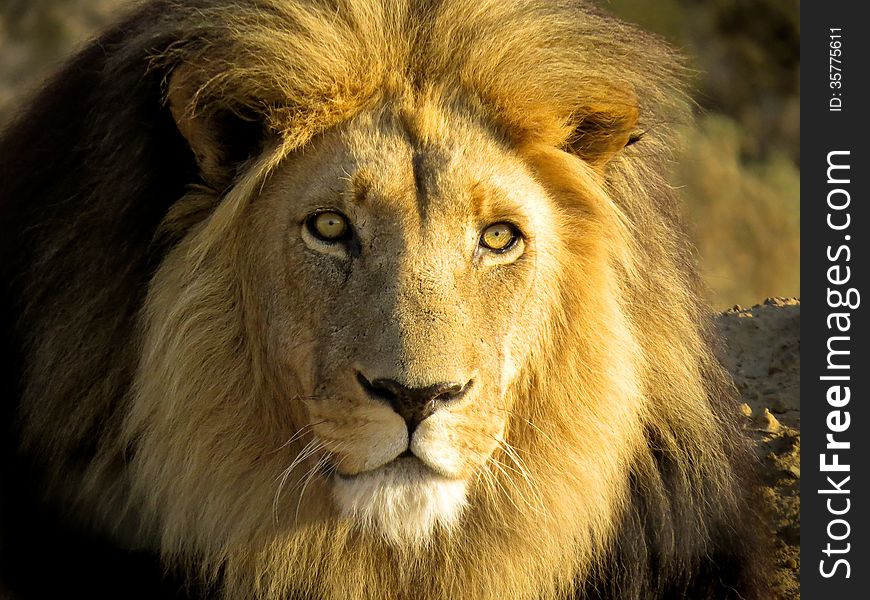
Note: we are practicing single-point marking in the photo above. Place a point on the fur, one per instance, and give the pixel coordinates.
(179, 351)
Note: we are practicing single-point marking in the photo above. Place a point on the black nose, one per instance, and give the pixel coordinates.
(413, 404)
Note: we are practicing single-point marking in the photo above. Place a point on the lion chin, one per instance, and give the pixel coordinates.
(403, 502)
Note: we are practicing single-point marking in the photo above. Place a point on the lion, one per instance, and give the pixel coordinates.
(363, 299)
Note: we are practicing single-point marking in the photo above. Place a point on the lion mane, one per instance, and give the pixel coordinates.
(127, 469)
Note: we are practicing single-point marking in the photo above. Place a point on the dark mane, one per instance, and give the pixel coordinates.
(87, 171)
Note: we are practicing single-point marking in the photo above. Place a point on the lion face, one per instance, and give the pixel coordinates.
(400, 278)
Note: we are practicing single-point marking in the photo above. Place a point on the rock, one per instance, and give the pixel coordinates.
(761, 350)
(767, 422)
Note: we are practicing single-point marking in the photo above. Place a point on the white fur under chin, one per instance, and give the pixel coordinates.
(403, 501)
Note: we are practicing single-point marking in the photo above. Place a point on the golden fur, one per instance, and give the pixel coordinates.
(420, 121)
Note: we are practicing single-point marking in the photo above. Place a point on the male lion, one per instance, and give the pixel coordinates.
(347, 299)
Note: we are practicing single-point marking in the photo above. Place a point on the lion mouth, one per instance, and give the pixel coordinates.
(406, 462)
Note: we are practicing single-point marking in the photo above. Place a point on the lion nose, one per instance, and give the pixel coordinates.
(413, 404)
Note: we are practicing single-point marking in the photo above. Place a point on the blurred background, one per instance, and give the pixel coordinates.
(739, 166)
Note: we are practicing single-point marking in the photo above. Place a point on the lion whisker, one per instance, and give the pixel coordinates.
(299, 432)
(321, 463)
(518, 491)
(534, 501)
(310, 448)
(530, 424)
(523, 470)
(512, 453)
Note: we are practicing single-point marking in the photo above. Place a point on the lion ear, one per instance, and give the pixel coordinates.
(605, 128)
(222, 139)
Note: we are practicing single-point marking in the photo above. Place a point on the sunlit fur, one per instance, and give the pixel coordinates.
(599, 406)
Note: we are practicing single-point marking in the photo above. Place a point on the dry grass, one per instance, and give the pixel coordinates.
(745, 217)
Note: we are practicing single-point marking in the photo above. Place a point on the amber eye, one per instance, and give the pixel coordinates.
(328, 226)
(499, 237)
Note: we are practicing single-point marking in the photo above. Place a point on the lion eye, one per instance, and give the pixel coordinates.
(499, 237)
(328, 226)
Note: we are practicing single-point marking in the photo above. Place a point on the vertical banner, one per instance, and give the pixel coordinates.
(835, 258)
